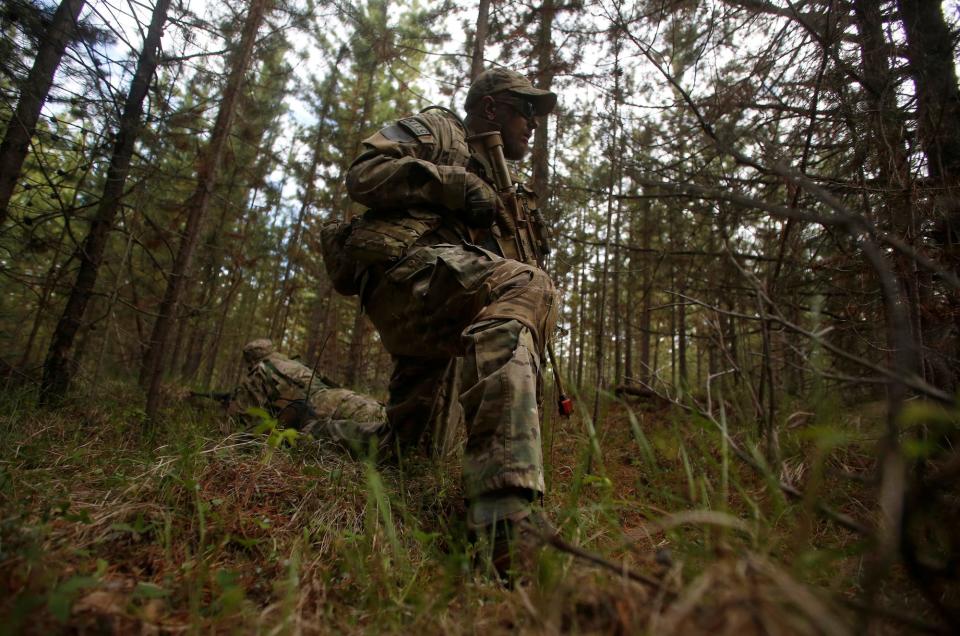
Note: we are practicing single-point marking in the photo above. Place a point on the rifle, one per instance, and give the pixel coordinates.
(223, 397)
(525, 228)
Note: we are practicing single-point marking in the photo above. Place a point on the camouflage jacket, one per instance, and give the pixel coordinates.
(415, 168)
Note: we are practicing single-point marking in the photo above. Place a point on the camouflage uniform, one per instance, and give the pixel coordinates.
(452, 295)
(280, 385)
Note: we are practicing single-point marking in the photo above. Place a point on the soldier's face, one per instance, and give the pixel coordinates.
(517, 124)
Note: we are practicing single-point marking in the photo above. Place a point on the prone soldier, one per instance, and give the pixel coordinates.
(291, 392)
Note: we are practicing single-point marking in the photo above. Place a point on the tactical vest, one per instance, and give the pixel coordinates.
(383, 236)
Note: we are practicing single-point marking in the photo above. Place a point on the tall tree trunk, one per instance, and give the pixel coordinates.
(889, 150)
(316, 323)
(673, 327)
(582, 324)
(613, 183)
(360, 328)
(615, 308)
(646, 371)
(237, 277)
(931, 60)
(930, 53)
(329, 353)
(646, 231)
(112, 314)
(193, 355)
(138, 314)
(33, 93)
(683, 379)
(210, 272)
(540, 158)
(284, 289)
(57, 370)
(574, 354)
(49, 283)
(629, 310)
(214, 353)
(480, 39)
(198, 204)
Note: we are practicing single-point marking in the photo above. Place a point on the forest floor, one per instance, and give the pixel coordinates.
(107, 529)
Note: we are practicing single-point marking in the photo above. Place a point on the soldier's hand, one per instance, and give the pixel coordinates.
(480, 202)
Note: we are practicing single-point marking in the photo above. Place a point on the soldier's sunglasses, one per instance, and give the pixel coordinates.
(523, 107)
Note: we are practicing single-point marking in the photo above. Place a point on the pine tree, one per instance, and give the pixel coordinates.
(57, 368)
(33, 93)
(198, 205)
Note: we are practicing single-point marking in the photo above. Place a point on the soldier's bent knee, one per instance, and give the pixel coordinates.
(523, 293)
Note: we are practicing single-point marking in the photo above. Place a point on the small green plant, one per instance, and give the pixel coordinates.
(277, 436)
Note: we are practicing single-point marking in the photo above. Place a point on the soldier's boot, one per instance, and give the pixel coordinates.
(359, 438)
(513, 531)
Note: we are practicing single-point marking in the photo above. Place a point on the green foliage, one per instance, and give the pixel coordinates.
(698, 292)
(240, 533)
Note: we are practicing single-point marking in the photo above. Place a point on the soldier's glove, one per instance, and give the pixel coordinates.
(480, 202)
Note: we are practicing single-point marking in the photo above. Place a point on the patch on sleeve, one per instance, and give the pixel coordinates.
(421, 132)
(394, 132)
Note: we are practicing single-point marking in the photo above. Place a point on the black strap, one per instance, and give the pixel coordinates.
(446, 110)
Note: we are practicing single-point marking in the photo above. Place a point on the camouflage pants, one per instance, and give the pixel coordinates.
(444, 301)
(346, 418)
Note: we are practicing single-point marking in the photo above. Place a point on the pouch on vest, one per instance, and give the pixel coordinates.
(341, 267)
(383, 236)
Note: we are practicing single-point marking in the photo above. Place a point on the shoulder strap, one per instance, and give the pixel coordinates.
(446, 110)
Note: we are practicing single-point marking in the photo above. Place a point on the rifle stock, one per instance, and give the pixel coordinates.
(223, 397)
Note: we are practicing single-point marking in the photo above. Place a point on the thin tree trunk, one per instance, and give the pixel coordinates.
(197, 205)
(57, 370)
(309, 194)
(237, 277)
(646, 373)
(629, 310)
(359, 331)
(673, 328)
(582, 322)
(316, 324)
(214, 353)
(49, 282)
(208, 285)
(540, 157)
(329, 352)
(180, 329)
(613, 182)
(480, 39)
(112, 315)
(930, 52)
(193, 355)
(683, 380)
(33, 93)
(576, 326)
(617, 318)
(138, 314)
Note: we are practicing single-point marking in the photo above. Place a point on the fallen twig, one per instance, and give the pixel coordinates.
(556, 541)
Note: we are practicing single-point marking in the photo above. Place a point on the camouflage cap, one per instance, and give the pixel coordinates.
(496, 80)
(256, 350)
